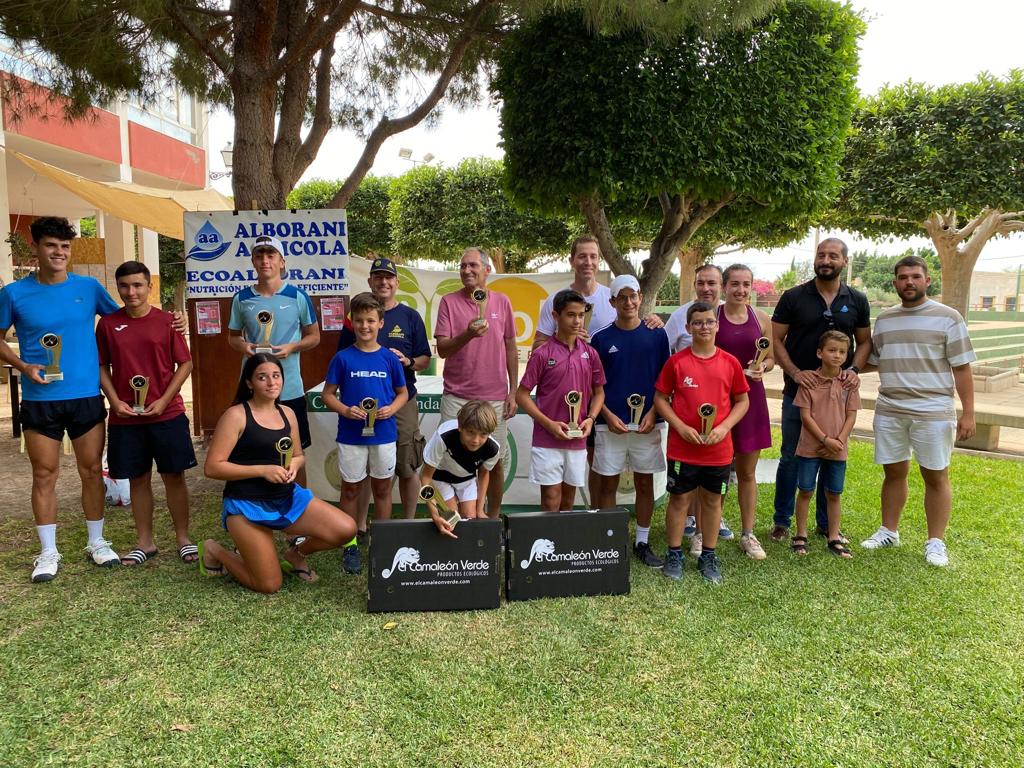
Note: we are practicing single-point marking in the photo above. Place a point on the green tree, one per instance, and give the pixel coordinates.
(746, 127)
(292, 69)
(876, 270)
(367, 211)
(437, 212)
(922, 157)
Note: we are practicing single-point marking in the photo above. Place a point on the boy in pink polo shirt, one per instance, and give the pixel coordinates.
(560, 366)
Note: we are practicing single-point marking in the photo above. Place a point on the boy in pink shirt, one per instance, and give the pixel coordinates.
(828, 412)
(562, 365)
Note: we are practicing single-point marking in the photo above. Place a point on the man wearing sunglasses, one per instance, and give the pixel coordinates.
(803, 313)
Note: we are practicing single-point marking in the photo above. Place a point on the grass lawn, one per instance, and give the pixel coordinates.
(882, 661)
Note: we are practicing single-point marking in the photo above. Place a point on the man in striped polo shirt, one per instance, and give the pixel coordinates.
(922, 352)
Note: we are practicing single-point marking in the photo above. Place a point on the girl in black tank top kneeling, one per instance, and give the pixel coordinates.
(257, 452)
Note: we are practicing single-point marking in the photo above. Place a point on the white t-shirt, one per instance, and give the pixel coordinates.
(603, 312)
(453, 462)
(678, 337)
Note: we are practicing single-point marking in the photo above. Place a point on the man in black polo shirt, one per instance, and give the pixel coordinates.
(801, 316)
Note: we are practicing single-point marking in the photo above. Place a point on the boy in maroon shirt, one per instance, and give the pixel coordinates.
(562, 364)
(698, 459)
(143, 363)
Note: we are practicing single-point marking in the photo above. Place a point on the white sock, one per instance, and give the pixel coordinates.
(47, 537)
(894, 533)
(642, 534)
(95, 528)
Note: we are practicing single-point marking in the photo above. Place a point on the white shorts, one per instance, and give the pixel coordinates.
(644, 453)
(465, 491)
(354, 459)
(931, 441)
(552, 466)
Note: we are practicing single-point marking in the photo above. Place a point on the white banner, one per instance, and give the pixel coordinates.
(218, 247)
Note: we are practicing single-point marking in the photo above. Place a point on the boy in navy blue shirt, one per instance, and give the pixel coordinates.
(628, 429)
(365, 386)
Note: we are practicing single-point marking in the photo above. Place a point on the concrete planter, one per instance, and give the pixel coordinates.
(988, 378)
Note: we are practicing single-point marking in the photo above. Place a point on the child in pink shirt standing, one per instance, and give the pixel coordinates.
(828, 412)
(569, 379)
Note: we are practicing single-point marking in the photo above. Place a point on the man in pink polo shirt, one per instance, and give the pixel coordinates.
(477, 341)
(569, 378)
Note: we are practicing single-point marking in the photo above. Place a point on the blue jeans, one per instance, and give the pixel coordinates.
(785, 477)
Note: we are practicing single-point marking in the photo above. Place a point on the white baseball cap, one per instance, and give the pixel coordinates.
(266, 241)
(624, 281)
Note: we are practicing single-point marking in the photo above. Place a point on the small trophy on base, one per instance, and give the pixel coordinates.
(574, 398)
(140, 386)
(429, 493)
(707, 413)
(762, 344)
(369, 404)
(52, 343)
(480, 297)
(588, 314)
(284, 450)
(266, 321)
(636, 408)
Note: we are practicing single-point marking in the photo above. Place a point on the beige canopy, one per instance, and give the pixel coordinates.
(151, 207)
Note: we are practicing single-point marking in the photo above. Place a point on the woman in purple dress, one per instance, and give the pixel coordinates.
(739, 328)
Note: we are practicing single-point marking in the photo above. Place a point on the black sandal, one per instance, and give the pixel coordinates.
(838, 548)
(799, 545)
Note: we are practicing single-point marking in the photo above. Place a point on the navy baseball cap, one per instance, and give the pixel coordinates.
(384, 265)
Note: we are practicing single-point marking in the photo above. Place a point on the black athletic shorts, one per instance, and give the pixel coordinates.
(53, 417)
(683, 478)
(132, 448)
(299, 406)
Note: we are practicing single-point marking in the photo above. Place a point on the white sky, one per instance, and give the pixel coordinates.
(932, 41)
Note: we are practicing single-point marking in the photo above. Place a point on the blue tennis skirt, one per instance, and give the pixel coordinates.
(270, 513)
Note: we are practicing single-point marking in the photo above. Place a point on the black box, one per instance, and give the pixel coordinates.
(567, 554)
(414, 568)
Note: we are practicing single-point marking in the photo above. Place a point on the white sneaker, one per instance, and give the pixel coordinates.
(752, 547)
(102, 554)
(44, 567)
(935, 553)
(696, 544)
(883, 537)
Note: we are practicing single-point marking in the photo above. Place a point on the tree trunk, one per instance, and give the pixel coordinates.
(959, 249)
(498, 260)
(689, 259)
(653, 272)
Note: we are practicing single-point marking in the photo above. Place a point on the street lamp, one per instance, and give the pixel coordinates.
(406, 154)
(227, 154)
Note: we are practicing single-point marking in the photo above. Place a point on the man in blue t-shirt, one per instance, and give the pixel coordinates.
(405, 335)
(276, 315)
(365, 386)
(54, 313)
(629, 428)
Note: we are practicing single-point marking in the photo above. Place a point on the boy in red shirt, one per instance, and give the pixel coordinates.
(562, 364)
(143, 363)
(699, 463)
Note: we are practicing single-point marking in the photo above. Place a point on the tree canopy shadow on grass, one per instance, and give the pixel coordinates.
(793, 662)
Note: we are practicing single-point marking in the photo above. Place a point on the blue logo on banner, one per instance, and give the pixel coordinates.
(209, 244)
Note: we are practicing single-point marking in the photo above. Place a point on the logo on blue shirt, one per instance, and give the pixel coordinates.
(209, 244)
(845, 308)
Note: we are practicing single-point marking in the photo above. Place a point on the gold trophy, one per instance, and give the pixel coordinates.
(588, 314)
(636, 409)
(369, 404)
(266, 320)
(284, 450)
(140, 386)
(574, 398)
(480, 297)
(52, 343)
(707, 413)
(430, 493)
(762, 344)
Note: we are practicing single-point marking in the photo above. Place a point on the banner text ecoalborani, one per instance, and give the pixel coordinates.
(218, 248)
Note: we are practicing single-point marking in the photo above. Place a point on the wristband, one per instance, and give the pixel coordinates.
(824, 439)
(855, 369)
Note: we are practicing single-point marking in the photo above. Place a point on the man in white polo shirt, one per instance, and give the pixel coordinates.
(922, 352)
